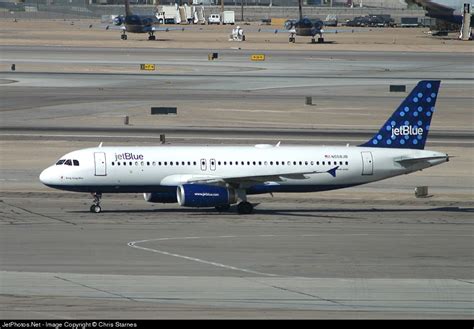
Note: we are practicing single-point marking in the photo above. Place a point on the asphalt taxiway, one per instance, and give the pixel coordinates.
(372, 251)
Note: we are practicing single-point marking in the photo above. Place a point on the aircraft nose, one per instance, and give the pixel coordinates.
(47, 176)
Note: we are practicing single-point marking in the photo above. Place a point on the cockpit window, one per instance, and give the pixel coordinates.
(68, 163)
(75, 162)
(60, 162)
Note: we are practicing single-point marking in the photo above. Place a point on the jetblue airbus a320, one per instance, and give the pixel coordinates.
(219, 176)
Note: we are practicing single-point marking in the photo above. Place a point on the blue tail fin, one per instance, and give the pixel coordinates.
(409, 125)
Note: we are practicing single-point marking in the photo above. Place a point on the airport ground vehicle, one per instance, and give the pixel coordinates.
(228, 17)
(214, 19)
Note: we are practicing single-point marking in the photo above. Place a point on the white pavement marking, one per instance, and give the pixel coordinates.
(133, 244)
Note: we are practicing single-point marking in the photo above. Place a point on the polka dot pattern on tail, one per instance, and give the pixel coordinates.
(409, 125)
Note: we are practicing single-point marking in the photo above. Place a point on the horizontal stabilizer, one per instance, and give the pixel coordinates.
(413, 161)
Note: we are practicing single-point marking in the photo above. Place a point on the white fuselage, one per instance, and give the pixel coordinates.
(278, 168)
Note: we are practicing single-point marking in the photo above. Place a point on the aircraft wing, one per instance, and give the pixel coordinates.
(115, 27)
(293, 30)
(432, 6)
(166, 29)
(340, 31)
(250, 180)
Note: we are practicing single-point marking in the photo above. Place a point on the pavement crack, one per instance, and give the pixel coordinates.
(464, 281)
(38, 214)
(302, 293)
(96, 289)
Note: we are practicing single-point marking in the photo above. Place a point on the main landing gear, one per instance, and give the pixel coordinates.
(95, 208)
(151, 36)
(292, 38)
(123, 36)
(320, 39)
(243, 208)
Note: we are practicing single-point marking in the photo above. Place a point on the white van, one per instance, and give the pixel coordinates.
(214, 19)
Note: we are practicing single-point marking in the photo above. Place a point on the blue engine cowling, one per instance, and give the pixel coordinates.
(118, 20)
(160, 197)
(194, 195)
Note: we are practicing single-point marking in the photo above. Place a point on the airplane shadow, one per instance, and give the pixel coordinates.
(319, 212)
(313, 212)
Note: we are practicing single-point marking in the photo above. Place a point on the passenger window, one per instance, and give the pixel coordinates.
(118, 163)
(194, 163)
(324, 163)
(113, 163)
(68, 163)
(154, 163)
(347, 163)
(60, 162)
(148, 163)
(317, 163)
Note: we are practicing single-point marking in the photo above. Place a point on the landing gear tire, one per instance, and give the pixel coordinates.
(152, 37)
(244, 208)
(123, 37)
(223, 208)
(320, 40)
(95, 209)
(292, 40)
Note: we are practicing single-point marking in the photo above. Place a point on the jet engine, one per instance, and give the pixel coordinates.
(195, 195)
(160, 197)
(118, 20)
(147, 21)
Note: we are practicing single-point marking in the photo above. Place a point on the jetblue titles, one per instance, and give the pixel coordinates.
(128, 156)
(407, 131)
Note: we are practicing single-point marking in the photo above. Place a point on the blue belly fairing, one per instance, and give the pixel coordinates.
(256, 189)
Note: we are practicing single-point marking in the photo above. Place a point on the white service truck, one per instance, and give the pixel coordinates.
(228, 17)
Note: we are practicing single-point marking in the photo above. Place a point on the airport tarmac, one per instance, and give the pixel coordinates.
(373, 251)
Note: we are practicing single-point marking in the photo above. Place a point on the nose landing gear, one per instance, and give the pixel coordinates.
(95, 208)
